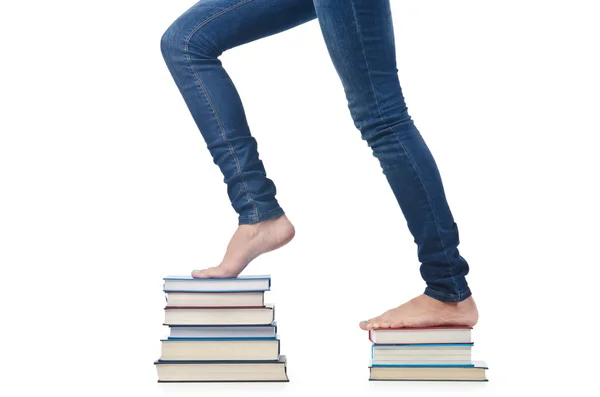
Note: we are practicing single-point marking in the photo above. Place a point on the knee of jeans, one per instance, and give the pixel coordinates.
(180, 40)
(172, 41)
(376, 128)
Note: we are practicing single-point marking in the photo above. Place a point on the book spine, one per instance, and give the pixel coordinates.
(214, 307)
(220, 291)
(221, 339)
(424, 344)
(211, 338)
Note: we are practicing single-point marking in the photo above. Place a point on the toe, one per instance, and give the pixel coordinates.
(385, 323)
(374, 323)
(397, 324)
(218, 272)
(211, 272)
(367, 324)
(204, 273)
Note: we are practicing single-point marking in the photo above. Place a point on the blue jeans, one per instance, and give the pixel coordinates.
(360, 38)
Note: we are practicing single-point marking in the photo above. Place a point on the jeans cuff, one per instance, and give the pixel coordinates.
(265, 216)
(447, 297)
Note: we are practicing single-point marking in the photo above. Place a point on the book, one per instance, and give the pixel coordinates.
(219, 315)
(220, 371)
(429, 372)
(422, 354)
(237, 331)
(208, 299)
(238, 284)
(421, 335)
(220, 349)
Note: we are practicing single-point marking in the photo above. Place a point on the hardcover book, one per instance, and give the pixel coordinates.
(234, 331)
(222, 371)
(215, 299)
(448, 354)
(219, 315)
(237, 284)
(421, 335)
(430, 372)
(220, 349)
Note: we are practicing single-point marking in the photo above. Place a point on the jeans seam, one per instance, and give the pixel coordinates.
(447, 297)
(211, 104)
(362, 45)
(435, 221)
(263, 214)
(431, 290)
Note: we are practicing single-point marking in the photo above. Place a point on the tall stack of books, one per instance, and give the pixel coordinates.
(220, 330)
(424, 354)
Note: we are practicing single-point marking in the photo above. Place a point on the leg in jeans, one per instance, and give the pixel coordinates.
(191, 47)
(360, 38)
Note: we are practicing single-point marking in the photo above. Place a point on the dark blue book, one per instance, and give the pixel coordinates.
(222, 371)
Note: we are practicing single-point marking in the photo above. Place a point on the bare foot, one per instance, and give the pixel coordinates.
(247, 243)
(424, 311)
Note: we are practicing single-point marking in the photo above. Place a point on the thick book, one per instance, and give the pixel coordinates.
(454, 334)
(443, 354)
(429, 372)
(235, 331)
(222, 371)
(237, 284)
(220, 349)
(219, 315)
(218, 299)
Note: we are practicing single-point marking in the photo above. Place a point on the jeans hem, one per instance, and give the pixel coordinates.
(447, 297)
(265, 216)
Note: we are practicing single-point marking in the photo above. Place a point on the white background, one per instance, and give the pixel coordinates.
(106, 187)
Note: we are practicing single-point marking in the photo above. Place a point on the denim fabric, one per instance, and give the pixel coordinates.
(359, 36)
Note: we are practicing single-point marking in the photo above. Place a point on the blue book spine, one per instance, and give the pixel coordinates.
(418, 344)
(169, 339)
(423, 344)
(214, 292)
(273, 324)
(183, 338)
(424, 365)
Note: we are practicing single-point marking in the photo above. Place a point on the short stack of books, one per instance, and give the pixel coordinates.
(424, 354)
(220, 330)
